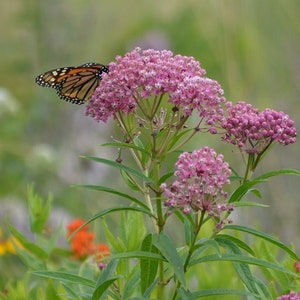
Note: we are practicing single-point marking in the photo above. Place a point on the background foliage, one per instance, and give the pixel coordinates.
(251, 47)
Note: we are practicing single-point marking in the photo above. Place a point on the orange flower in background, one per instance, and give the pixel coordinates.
(297, 266)
(75, 224)
(82, 242)
(102, 251)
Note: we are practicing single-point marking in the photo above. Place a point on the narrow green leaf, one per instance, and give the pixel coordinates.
(185, 294)
(244, 273)
(115, 192)
(108, 272)
(129, 181)
(139, 254)
(122, 208)
(249, 204)
(243, 259)
(135, 230)
(150, 289)
(242, 269)
(219, 292)
(66, 277)
(73, 294)
(203, 244)
(101, 289)
(257, 193)
(278, 172)
(271, 254)
(29, 246)
(188, 231)
(145, 155)
(165, 177)
(235, 176)
(110, 210)
(148, 267)
(183, 218)
(31, 261)
(120, 167)
(52, 242)
(106, 278)
(140, 298)
(223, 238)
(168, 250)
(263, 288)
(115, 242)
(243, 189)
(266, 237)
(174, 140)
(123, 233)
(132, 282)
(127, 145)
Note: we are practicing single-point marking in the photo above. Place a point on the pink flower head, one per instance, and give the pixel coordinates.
(201, 177)
(252, 130)
(291, 296)
(144, 74)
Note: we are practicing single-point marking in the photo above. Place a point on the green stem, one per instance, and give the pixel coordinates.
(160, 218)
(260, 155)
(248, 172)
(124, 127)
(196, 232)
(141, 107)
(159, 210)
(198, 225)
(156, 105)
(179, 146)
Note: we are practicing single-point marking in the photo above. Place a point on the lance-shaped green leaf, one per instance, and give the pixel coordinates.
(223, 238)
(278, 172)
(148, 267)
(242, 269)
(111, 210)
(243, 259)
(139, 254)
(243, 189)
(102, 288)
(29, 246)
(169, 251)
(266, 237)
(115, 192)
(219, 292)
(127, 145)
(66, 277)
(120, 166)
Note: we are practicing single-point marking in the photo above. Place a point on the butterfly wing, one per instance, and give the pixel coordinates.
(74, 84)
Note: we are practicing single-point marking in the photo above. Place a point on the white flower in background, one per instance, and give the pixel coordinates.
(7, 102)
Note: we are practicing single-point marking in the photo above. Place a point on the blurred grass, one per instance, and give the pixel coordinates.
(251, 47)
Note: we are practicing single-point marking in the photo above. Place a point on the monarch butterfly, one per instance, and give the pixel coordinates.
(74, 84)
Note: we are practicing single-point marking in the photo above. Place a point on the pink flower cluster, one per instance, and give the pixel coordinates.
(199, 187)
(252, 130)
(291, 296)
(143, 74)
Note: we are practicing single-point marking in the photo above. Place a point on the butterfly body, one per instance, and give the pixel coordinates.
(74, 84)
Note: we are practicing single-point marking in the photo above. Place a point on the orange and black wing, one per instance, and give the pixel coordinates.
(74, 84)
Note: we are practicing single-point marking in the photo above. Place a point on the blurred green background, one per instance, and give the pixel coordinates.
(251, 47)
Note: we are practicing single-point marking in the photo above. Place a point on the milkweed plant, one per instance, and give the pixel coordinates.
(160, 103)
